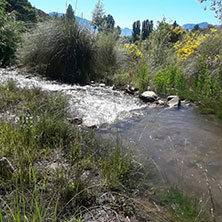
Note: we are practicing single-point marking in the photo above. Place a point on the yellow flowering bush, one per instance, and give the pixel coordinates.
(133, 51)
(189, 45)
(191, 42)
(177, 30)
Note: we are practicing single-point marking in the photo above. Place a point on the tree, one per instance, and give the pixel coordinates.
(136, 31)
(23, 10)
(110, 22)
(196, 28)
(118, 30)
(70, 13)
(147, 28)
(175, 24)
(98, 15)
(216, 5)
(9, 35)
(2, 10)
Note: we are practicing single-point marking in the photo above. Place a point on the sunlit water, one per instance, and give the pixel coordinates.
(185, 145)
(95, 105)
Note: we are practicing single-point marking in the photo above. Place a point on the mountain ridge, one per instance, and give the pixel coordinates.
(127, 31)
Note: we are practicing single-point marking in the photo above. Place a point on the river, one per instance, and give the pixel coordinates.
(185, 145)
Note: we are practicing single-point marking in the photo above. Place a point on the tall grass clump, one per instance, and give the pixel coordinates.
(109, 57)
(59, 49)
(169, 80)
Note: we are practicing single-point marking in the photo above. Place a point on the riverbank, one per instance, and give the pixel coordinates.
(52, 171)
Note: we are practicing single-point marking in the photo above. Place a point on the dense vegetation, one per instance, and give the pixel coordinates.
(15, 17)
(166, 59)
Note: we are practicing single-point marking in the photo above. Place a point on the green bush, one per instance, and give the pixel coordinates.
(158, 48)
(141, 78)
(9, 37)
(109, 55)
(169, 80)
(59, 49)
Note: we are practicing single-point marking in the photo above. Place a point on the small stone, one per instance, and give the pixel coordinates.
(131, 90)
(102, 84)
(75, 121)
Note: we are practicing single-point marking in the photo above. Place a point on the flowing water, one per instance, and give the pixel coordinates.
(185, 145)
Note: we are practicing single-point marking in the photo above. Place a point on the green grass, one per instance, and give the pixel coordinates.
(62, 172)
(36, 138)
(182, 208)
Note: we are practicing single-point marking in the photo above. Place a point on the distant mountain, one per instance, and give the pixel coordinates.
(56, 13)
(126, 32)
(86, 23)
(202, 25)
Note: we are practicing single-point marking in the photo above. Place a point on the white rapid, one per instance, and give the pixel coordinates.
(95, 105)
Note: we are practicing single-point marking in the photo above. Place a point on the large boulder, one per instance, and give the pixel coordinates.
(149, 96)
(173, 101)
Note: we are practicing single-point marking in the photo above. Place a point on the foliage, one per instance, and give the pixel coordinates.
(119, 171)
(169, 80)
(216, 5)
(98, 15)
(108, 24)
(109, 54)
(159, 46)
(133, 52)
(142, 77)
(70, 13)
(182, 207)
(23, 10)
(188, 45)
(136, 31)
(59, 49)
(147, 28)
(9, 36)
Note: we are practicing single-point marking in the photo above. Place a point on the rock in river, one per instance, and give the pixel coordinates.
(173, 101)
(148, 96)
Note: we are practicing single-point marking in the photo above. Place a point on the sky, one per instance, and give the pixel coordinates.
(125, 12)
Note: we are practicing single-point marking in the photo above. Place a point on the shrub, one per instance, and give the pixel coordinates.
(59, 49)
(9, 38)
(109, 54)
(159, 46)
(169, 80)
(141, 79)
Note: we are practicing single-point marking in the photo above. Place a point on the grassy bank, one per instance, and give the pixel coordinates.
(58, 172)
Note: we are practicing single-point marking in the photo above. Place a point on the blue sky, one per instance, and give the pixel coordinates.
(125, 12)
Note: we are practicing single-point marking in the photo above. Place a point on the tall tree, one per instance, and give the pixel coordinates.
(175, 24)
(196, 28)
(147, 28)
(110, 22)
(98, 15)
(70, 13)
(136, 31)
